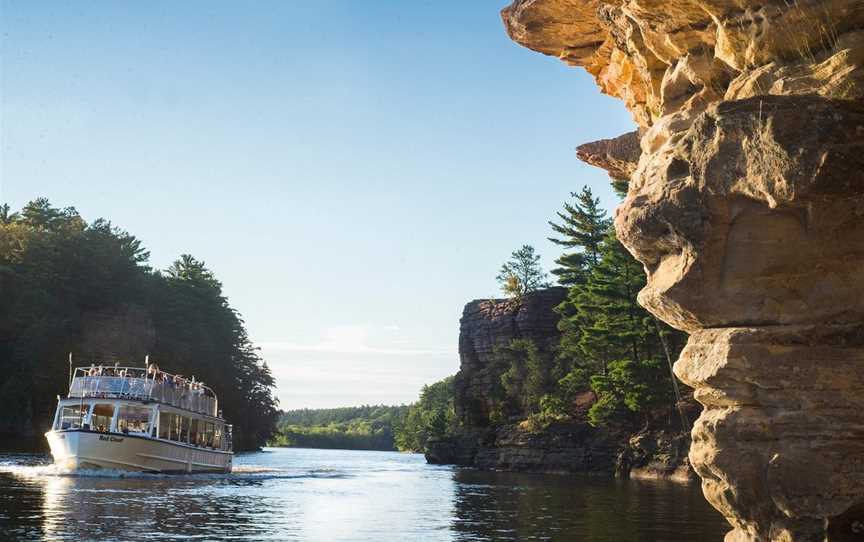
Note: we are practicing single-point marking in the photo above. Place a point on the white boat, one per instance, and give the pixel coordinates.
(134, 419)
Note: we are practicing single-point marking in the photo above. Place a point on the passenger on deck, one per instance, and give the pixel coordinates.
(92, 370)
(153, 369)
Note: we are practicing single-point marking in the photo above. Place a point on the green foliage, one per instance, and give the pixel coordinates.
(612, 346)
(57, 272)
(583, 226)
(522, 273)
(432, 416)
(526, 375)
(368, 427)
(627, 386)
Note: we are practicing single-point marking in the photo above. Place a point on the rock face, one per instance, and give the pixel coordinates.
(490, 323)
(745, 208)
(571, 447)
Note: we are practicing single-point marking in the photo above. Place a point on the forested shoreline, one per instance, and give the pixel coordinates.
(406, 428)
(69, 286)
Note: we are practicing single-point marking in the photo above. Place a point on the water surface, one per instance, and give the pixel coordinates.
(292, 494)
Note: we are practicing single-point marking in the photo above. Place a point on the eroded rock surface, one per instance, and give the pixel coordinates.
(745, 207)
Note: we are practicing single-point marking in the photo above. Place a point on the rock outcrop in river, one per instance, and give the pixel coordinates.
(655, 450)
(745, 207)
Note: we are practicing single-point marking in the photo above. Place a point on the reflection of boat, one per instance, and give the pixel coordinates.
(129, 418)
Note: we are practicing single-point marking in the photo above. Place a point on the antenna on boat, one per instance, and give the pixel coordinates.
(70, 369)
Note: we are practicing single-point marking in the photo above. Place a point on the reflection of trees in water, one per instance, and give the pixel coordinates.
(509, 506)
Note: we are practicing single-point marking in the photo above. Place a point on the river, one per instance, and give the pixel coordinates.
(323, 495)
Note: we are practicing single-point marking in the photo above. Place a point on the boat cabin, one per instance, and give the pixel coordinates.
(145, 403)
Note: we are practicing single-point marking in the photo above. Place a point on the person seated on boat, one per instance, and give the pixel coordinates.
(123, 373)
(92, 370)
(152, 369)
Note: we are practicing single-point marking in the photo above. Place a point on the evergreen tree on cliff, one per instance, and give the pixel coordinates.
(582, 229)
(522, 273)
(583, 225)
(613, 346)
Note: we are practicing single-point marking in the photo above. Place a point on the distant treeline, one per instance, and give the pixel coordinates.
(351, 428)
(371, 427)
(69, 286)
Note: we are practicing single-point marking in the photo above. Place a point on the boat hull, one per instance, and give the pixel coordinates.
(85, 450)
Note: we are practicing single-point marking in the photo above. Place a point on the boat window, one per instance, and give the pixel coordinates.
(175, 427)
(133, 418)
(166, 420)
(100, 420)
(217, 439)
(195, 436)
(72, 416)
(208, 434)
(184, 429)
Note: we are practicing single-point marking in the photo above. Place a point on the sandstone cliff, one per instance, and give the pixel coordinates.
(564, 447)
(744, 206)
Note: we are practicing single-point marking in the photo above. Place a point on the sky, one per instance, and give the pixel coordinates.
(353, 171)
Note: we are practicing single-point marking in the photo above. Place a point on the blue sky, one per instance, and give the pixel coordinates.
(353, 171)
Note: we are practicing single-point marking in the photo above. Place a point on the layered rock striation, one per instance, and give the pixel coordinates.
(487, 324)
(745, 207)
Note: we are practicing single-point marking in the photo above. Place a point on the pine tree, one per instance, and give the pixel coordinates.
(609, 344)
(583, 225)
(620, 341)
(582, 229)
(522, 273)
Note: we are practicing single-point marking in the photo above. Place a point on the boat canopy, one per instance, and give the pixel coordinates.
(141, 384)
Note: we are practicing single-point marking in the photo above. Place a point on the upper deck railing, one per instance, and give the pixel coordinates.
(143, 384)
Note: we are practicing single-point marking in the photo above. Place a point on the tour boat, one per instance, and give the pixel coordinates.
(139, 419)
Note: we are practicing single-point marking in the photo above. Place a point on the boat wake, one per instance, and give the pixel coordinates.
(31, 470)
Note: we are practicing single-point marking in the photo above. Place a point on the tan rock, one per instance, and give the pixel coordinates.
(658, 55)
(751, 215)
(619, 156)
(780, 445)
(746, 209)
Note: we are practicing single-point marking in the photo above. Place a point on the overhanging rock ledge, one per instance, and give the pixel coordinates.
(745, 206)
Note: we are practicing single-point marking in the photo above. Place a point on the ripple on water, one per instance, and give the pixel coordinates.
(318, 495)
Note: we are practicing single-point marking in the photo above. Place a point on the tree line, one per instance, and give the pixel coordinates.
(60, 274)
(372, 427)
(367, 427)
